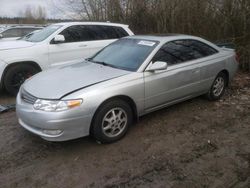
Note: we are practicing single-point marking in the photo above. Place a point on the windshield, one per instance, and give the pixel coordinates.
(126, 54)
(26, 37)
(43, 34)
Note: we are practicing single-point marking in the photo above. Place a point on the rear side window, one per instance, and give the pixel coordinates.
(120, 32)
(92, 32)
(183, 50)
(102, 32)
(198, 47)
(98, 32)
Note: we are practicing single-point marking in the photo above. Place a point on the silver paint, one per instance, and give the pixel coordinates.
(95, 84)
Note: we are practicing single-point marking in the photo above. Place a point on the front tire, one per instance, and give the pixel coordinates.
(16, 75)
(112, 121)
(218, 87)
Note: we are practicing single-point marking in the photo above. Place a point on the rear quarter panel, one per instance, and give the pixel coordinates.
(231, 63)
(211, 66)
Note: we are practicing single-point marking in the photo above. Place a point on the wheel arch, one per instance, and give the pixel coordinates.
(126, 99)
(226, 72)
(33, 63)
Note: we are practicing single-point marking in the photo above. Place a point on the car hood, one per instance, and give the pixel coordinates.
(58, 82)
(7, 45)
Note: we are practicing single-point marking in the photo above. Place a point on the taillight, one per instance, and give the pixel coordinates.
(237, 57)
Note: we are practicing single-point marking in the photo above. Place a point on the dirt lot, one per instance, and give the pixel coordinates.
(193, 144)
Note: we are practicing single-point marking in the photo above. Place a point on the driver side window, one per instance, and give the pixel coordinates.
(72, 34)
(165, 55)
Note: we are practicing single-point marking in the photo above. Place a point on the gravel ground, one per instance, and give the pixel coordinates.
(193, 144)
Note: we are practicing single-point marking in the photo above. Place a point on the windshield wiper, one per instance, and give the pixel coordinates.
(89, 59)
(101, 63)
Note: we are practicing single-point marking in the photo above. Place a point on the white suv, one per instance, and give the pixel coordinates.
(57, 44)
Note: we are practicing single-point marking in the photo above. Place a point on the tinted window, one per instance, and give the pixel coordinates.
(97, 32)
(92, 32)
(126, 54)
(183, 50)
(113, 32)
(165, 54)
(14, 32)
(202, 48)
(121, 32)
(110, 32)
(74, 34)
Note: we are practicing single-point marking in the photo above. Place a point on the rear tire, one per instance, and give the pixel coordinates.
(218, 87)
(16, 75)
(112, 121)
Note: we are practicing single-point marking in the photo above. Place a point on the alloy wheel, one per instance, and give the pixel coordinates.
(114, 122)
(218, 86)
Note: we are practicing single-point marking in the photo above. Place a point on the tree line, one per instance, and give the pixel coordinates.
(216, 20)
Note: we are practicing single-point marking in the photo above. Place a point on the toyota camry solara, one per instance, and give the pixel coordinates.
(133, 76)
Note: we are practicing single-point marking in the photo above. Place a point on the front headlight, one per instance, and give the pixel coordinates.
(56, 105)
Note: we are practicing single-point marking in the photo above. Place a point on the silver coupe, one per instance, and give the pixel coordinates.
(103, 95)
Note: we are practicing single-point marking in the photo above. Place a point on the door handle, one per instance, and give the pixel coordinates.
(196, 71)
(83, 45)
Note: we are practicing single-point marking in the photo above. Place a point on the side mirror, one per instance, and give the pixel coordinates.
(59, 39)
(156, 66)
(1, 35)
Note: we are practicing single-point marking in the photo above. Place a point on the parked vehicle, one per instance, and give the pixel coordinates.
(26, 37)
(55, 45)
(2, 27)
(133, 76)
(15, 32)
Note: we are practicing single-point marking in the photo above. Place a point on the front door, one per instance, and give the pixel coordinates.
(74, 49)
(173, 84)
(179, 81)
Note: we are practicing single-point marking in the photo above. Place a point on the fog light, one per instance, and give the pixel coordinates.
(52, 132)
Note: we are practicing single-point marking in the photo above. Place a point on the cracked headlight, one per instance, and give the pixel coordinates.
(56, 105)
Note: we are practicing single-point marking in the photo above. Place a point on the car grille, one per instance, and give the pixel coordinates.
(28, 98)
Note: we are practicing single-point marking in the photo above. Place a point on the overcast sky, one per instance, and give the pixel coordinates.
(54, 8)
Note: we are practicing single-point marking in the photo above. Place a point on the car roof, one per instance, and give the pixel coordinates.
(161, 37)
(90, 23)
(22, 26)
